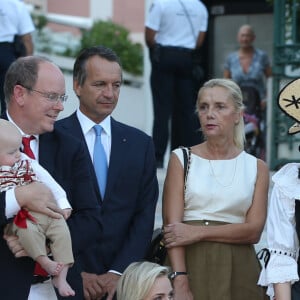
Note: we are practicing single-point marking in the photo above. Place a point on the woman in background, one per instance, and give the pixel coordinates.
(250, 67)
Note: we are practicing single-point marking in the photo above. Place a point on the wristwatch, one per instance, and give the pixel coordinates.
(173, 275)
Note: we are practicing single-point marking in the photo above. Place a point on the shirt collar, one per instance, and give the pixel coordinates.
(87, 124)
(21, 131)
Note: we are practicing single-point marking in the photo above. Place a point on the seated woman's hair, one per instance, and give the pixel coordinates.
(138, 279)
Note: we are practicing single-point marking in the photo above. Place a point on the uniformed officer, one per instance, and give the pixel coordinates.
(15, 20)
(173, 30)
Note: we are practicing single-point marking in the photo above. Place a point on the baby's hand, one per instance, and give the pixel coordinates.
(66, 213)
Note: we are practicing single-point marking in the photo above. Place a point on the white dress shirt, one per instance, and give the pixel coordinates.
(90, 136)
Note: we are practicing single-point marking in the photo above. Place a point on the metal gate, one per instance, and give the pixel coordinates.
(286, 67)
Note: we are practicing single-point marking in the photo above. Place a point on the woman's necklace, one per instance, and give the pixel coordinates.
(216, 177)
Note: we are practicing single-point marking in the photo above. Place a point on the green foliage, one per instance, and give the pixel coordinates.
(104, 33)
(42, 40)
(116, 37)
(40, 21)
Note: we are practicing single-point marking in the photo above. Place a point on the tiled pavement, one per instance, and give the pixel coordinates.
(161, 173)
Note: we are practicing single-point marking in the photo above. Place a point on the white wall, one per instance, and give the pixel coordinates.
(101, 9)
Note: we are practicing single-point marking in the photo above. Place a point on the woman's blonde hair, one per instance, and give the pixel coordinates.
(138, 279)
(236, 96)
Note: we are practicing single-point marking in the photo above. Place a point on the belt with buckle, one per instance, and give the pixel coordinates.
(39, 279)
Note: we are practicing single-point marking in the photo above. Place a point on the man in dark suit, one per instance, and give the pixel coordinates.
(128, 205)
(35, 92)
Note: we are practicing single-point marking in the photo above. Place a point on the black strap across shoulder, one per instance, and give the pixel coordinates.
(186, 162)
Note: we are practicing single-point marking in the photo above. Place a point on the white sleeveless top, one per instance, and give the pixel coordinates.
(219, 190)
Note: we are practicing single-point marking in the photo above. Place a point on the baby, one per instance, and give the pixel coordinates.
(34, 229)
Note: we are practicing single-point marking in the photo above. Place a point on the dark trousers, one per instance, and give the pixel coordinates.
(7, 56)
(174, 94)
(296, 291)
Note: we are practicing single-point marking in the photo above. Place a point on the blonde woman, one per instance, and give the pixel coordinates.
(210, 228)
(145, 281)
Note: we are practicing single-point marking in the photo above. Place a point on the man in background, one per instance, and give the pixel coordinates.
(15, 25)
(173, 30)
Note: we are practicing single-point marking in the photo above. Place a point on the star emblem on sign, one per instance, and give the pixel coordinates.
(289, 103)
(293, 101)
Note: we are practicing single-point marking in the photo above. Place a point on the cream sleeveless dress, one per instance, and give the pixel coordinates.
(220, 192)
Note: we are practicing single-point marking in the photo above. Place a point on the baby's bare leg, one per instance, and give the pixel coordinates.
(60, 282)
(52, 267)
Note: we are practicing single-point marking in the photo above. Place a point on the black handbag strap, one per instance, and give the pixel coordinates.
(186, 162)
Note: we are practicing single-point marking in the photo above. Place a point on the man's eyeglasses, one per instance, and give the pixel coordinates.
(53, 97)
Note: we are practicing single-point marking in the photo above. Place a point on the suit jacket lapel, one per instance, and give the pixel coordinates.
(47, 147)
(118, 144)
(72, 125)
